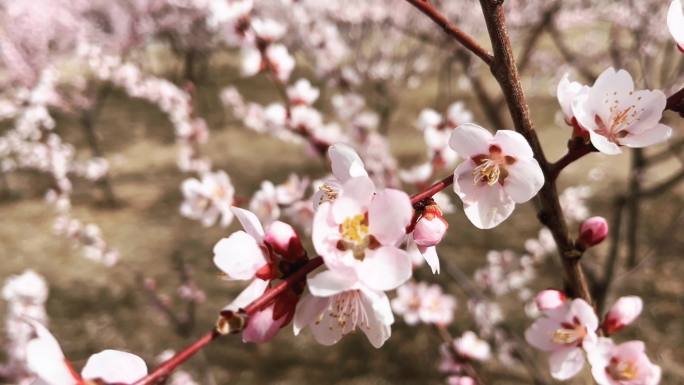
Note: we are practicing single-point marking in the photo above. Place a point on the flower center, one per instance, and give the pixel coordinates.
(569, 333)
(355, 236)
(619, 121)
(329, 193)
(622, 370)
(346, 310)
(491, 168)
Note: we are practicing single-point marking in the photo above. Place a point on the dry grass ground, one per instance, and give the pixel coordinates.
(92, 307)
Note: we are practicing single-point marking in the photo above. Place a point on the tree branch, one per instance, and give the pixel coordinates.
(452, 30)
(506, 73)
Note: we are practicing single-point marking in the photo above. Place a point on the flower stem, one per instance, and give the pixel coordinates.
(168, 366)
(432, 190)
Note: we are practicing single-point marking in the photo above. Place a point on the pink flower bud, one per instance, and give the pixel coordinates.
(549, 299)
(285, 241)
(624, 312)
(261, 327)
(461, 380)
(430, 228)
(593, 231)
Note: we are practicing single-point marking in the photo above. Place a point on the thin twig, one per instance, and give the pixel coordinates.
(452, 30)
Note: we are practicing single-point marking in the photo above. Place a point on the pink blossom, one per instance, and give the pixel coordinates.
(264, 203)
(498, 172)
(624, 311)
(564, 331)
(458, 114)
(549, 299)
(675, 22)
(285, 241)
(420, 302)
(330, 317)
(346, 164)
(623, 364)
(615, 114)
(566, 92)
(593, 231)
(281, 61)
(46, 360)
(208, 199)
(302, 92)
(257, 255)
(430, 228)
(358, 236)
(471, 346)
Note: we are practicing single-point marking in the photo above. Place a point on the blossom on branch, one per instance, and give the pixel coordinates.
(420, 302)
(209, 198)
(623, 364)
(498, 171)
(615, 114)
(564, 331)
(261, 256)
(47, 362)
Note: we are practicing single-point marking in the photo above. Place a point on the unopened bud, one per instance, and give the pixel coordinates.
(430, 228)
(549, 299)
(592, 231)
(230, 322)
(624, 312)
(285, 241)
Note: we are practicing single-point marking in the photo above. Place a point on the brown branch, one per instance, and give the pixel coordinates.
(577, 148)
(676, 102)
(452, 30)
(506, 73)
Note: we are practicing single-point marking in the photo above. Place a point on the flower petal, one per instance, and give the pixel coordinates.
(389, 214)
(330, 282)
(566, 363)
(385, 268)
(469, 140)
(250, 223)
(379, 312)
(525, 179)
(513, 144)
(603, 144)
(261, 327)
(114, 367)
(253, 291)
(345, 162)
(45, 358)
(659, 133)
(493, 207)
(239, 256)
(308, 310)
(430, 255)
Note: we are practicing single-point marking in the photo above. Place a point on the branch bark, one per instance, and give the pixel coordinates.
(505, 72)
(452, 30)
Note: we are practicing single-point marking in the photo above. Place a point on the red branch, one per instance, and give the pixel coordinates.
(468, 41)
(432, 190)
(168, 366)
(271, 295)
